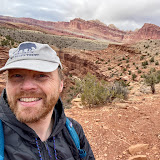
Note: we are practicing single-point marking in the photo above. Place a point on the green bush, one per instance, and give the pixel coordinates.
(147, 46)
(127, 66)
(139, 71)
(152, 70)
(8, 37)
(156, 63)
(124, 69)
(8, 41)
(142, 57)
(144, 63)
(94, 92)
(119, 90)
(109, 68)
(5, 42)
(152, 59)
(129, 72)
(134, 76)
(151, 79)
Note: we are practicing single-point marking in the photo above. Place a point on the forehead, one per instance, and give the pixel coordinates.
(29, 72)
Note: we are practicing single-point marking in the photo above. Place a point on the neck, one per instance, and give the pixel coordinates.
(43, 127)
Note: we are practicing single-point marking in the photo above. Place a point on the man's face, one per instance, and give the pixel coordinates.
(32, 95)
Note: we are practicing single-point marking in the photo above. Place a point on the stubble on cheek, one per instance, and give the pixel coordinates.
(31, 115)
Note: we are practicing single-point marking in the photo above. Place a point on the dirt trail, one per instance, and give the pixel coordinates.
(112, 129)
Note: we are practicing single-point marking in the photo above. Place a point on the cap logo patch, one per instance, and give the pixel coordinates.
(25, 49)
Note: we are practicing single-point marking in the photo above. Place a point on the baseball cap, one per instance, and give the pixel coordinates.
(32, 56)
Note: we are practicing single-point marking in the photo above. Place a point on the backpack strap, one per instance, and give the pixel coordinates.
(1, 142)
(73, 133)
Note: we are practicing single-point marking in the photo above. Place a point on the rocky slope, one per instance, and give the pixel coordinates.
(125, 131)
(148, 31)
(84, 29)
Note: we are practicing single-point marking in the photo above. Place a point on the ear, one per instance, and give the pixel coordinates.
(61, 86)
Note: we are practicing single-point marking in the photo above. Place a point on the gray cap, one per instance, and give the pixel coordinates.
(32, 56)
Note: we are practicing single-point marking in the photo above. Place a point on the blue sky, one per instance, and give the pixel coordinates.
(124, 14)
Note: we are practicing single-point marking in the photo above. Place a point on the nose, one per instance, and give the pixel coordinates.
(28, 84)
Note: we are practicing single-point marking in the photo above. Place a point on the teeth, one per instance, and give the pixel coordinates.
(29, 99)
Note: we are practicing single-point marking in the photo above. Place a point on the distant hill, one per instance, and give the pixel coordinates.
(93, 29)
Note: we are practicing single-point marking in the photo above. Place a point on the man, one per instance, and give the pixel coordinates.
(30, 109)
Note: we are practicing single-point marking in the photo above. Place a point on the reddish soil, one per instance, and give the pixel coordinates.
(112, 129)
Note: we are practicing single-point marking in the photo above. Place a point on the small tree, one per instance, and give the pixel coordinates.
(151, 79)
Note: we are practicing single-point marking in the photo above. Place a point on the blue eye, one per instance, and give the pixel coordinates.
(42, 75)
(17, 75)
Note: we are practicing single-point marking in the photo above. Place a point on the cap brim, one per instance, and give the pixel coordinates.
(35, 65)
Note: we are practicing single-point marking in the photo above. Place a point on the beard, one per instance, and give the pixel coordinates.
(32, 114)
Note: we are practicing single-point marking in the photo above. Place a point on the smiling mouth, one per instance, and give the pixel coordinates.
(29, 99)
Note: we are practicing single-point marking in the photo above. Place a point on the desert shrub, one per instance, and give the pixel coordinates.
(129, 72)
(156, 63)
(134, 76)
(147, 46)
(119, 90)
(109, 68)
(151, 79)
(5, 42)
(144, 63)
(8, 37)
(152, 59)
(8, 41)
(127, 66)
(97, 61)
(142, 57)
(152, 70)
(123, 83)
(143, 75)
(94, 92)
(12, 42)
(139, 71)
(102, 60)
(124, 69)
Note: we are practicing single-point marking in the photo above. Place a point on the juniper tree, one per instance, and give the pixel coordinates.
(151, 79)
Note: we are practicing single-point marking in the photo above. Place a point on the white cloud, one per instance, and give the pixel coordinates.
(124, 14)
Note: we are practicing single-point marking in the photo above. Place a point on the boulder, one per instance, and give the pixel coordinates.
(137, 148)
